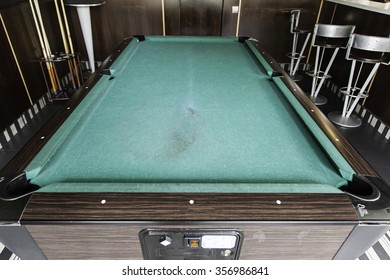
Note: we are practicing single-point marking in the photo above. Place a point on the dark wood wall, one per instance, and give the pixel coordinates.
(19, 23)
(14, 97)
(265, 20)
(116, 20)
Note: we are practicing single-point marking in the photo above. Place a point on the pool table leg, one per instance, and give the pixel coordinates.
(363, 234)
(17, 239)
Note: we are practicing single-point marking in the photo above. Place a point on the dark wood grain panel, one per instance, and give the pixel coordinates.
(14, 98)
(201, 17)
(229, 20)
(9, 3)
(172, 17)
(120, 241)
(21, 27)
(176, 206)
(116, 20)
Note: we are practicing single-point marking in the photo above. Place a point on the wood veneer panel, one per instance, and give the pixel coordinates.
(116, 20)
(201, 17)
(120, 241)
(229, 20)
(176, 206)
(14, 98)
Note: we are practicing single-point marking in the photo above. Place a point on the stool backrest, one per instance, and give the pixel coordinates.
(334, 31)
(331, 31)
(369, 44)
(294, 19)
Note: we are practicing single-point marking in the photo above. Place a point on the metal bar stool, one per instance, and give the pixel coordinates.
(326, 36)
(83, 11)
(365, 50)
(294, 55)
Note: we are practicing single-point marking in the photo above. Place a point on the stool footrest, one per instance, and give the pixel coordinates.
(319, 75)
(295, 56)
(351, 92)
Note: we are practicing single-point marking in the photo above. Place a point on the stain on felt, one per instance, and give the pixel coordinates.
(186, 134)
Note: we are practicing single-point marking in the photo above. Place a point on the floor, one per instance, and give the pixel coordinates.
(366, 139)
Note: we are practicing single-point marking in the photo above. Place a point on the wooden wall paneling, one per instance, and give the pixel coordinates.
(201, 17)
(368, 23)
(13, 98)
(326, 12)
(229, 19)
(9, 3)
(116, 20)
(269, 22)
(21, 29)
(172, 17)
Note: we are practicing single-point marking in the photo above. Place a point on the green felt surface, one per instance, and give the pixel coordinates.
(185, 111)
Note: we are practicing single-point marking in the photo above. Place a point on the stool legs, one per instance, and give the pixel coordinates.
(85, 22)
(300, 56)
(295, 57)
(293, 52)
(345, 118)
(321, 76)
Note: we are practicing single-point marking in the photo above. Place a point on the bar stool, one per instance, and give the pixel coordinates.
(294, 55)
(366, 50)
(326, 36)
(83, 11)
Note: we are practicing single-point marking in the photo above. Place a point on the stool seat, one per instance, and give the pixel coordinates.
(382, 59)
(302, 30)
(84, 2)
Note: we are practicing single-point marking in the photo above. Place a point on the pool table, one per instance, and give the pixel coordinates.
(190, 148)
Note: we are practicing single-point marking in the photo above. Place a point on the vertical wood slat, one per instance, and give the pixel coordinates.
(201, 17)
